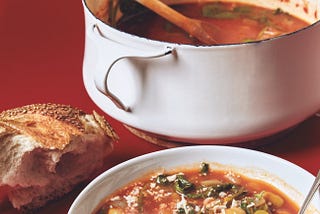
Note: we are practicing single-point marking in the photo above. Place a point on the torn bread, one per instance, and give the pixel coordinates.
(47, 149)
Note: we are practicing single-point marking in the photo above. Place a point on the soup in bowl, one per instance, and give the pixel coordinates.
(199, 179)
(260, 78)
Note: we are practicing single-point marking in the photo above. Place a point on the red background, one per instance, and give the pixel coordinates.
(41, 54)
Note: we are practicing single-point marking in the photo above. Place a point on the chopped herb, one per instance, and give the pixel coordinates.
(244, 204)
(238, 191)
(226, 15)
(162, 180)
(214, 191)
(210, 10)
(182, 185)
(190, 209)
(204, 168)
(140, 203)
(195, 195)
(242, 9)
(181, 211)
(259, 195)
(218, 11)
(278, 11)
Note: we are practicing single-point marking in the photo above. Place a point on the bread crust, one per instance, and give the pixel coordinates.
(52, 125)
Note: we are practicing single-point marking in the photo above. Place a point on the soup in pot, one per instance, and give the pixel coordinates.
(233, 23)
(198, 191)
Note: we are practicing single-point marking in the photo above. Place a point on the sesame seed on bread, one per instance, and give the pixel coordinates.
(48, 149)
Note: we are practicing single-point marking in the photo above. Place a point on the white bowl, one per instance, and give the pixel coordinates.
(287, 177)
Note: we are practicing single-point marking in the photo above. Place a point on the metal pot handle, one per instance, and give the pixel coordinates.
(101, 80)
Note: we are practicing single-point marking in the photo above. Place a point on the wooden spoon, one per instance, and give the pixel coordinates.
(201, 30)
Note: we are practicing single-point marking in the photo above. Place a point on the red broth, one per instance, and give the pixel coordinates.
(198, 192)
(234, 23)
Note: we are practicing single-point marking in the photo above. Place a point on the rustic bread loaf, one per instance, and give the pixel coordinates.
(47, 149)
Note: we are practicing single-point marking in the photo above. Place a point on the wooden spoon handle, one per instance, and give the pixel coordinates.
(192, 26)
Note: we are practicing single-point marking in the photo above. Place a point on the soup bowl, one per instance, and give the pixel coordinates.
(220, 94)
(280, 173)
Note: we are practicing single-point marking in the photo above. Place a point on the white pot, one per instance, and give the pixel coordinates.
(216, 94)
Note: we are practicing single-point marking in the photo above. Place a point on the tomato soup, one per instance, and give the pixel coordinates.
(232, 22)
(198, 191)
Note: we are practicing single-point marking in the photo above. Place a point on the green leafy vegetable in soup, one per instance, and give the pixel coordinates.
(197, 191)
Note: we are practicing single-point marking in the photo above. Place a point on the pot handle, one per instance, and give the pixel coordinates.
(122, 52)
